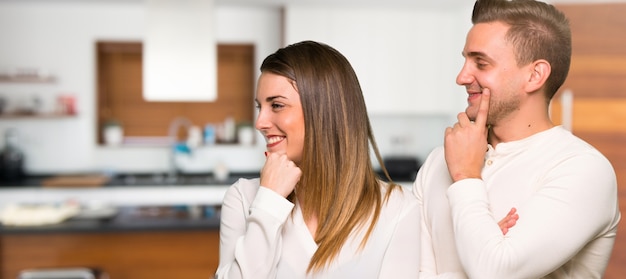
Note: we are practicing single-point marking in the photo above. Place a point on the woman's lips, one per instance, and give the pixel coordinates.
(274, 140)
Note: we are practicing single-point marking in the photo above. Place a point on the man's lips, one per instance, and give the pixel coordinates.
(473, 95)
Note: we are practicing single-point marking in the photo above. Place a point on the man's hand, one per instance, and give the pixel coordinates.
(508, 221)
(465, 143)
(280, 174)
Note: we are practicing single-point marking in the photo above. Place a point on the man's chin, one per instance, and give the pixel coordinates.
(471, 114)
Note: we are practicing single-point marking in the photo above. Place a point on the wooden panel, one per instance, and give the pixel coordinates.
(598, 80)
(120, 91)
(597, 28)
(599, 50)
(600, 75)
(129, 255)
(606, 115)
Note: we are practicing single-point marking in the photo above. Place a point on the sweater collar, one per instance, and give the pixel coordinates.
(514, 147)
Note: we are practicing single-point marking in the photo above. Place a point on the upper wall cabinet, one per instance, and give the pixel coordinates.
(401, 56)
(180, 51)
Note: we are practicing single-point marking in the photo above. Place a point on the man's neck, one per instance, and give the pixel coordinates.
(507, 131)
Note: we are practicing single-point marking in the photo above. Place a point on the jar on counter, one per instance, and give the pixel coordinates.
(113, 133)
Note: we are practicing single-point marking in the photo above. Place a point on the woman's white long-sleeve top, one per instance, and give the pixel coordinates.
(260, 237)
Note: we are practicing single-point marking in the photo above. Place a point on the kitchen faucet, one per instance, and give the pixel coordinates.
(174, 146)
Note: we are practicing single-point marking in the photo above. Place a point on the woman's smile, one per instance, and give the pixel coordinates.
(274, 140)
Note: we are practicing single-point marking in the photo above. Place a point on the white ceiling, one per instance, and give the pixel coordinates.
(385, 3)
(427, 4)
(418, 3)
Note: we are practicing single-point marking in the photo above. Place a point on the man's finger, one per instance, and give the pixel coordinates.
(483, 108)
(463, 119)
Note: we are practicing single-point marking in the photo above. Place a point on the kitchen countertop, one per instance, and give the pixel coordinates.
(125, 190)
(128, 193)
(128, 219)
(128, 190)
(137, 179)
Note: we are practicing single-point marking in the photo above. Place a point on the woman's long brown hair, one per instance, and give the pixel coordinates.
(338, 185)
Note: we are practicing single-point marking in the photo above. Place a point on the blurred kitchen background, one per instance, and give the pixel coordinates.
(73, 81)
(406, 65)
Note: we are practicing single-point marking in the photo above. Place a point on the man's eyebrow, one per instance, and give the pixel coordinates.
(476, 54)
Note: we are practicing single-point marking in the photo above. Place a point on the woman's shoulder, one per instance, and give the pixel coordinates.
(399, 195)
(244, 187)
(400, 205)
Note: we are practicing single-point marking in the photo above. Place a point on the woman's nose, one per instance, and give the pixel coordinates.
(262, 122)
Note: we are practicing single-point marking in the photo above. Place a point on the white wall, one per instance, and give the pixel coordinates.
(401, 55)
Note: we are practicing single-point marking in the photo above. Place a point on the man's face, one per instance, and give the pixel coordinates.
(490, 63)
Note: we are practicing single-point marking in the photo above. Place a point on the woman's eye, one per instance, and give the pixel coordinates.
(277, 106)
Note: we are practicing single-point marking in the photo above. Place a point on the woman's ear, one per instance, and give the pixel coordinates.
(539, 73)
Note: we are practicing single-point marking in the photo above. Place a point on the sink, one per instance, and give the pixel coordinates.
(168, 216)
(162, 179)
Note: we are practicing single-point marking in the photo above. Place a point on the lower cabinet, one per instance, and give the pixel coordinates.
(121, 255)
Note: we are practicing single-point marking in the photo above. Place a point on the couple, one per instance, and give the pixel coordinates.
(319, 210)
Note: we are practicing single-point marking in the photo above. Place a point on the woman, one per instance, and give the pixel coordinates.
(318, 209)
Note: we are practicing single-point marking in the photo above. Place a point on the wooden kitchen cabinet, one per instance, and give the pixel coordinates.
(122, 255)
(120, 92)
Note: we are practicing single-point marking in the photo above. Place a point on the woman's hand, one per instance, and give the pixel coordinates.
(280, 174)
(508, 221)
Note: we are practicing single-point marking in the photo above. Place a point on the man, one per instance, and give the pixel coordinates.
(504, 152)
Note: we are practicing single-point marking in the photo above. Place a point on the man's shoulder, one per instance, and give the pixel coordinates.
(570, 145)
(433, 177)
(435, 162)
(435, 156)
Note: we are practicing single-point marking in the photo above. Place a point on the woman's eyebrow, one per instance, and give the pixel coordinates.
(272, 98)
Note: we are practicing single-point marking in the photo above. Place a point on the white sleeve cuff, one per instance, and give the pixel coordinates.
(272, 203)
(467, 190)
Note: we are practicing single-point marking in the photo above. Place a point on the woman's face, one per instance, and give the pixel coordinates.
(280, 120)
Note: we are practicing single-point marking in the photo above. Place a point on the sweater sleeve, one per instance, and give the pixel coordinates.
(250, 232)
(573, 204)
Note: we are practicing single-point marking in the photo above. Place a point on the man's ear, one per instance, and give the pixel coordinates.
(538, 74)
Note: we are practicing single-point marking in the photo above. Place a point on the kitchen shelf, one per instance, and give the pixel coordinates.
(12, 116)
(26, 79)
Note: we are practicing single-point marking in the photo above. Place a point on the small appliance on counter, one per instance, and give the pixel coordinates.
(402, 168)
(11, 158)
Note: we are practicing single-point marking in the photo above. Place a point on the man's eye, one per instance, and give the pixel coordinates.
(481, 64)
